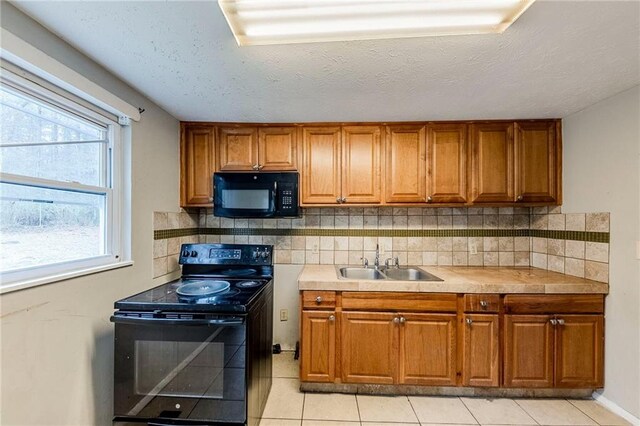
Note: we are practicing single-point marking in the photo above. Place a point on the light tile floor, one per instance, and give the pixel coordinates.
(287, 406)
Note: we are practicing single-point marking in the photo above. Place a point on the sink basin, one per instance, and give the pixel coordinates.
(409, 274)
(356, 273)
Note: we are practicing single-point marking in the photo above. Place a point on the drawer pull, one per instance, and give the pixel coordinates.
(553, 321)
(560, 321)
(319, 300)
(332, 317)
(484, 304)
(469, 321)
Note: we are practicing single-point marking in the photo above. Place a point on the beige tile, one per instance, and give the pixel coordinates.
(476, 244)
(476, 259)
(342, 222)
(540, 210)
(490, 221)
(539, 260)
(285, 366)
(505, 244)
(491, 243)
(574, 249)
(385, 409)
(312, 243)
(356, 222)
(575, 221)
(491, 258)
(459, 243)
(429, 222)
(539, 245)
(326, 257)
(554, 412)
(414, 222)
(596, 271)
(371, 222)
(521, 221)
(330, 406)
(415, 258)
(328, 423)
(521, 258)
(500, 411)
(414, 244)
(445, 258)
(445, 222)
(445, 244)
(539, 221)
(430, 244)
(312, 257)
(555, 263)
(506, 258)
(159, 220)
(599, 413)
(326, 243)
(173, 246)
(341, 243)
(159, 267)
(574, 267)
(441, 410)
(556, 222)
(400, 222)
(298, 257)
(159, 248)
(279, 422)
(597, 251)
(597, 222)
(555, 209)
(341, 257)
(474, 221)
(172, 263)
(400, 243)
(285, 400)
(521, 243)
(429, 258)
(460, 258)
(459, 222)
(555, 247)
(385, 222)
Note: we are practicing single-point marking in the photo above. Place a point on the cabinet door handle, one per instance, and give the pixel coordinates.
(484, 304)
(402, 320)
(519, 198)
(469, 321)
(319, 300)
(210, 199)
(338, 200)
(343, 200)
(255, 167)
(332, 317)
(553, 321)
(560, 321)
(260, 167)
(429, 199)
(396, 320)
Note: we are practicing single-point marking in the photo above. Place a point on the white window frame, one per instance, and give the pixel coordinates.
(117, 211)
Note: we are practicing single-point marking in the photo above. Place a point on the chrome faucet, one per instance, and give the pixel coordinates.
(395, 261)
(376, 262)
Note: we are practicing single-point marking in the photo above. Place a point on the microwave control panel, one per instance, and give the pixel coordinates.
(288, 198)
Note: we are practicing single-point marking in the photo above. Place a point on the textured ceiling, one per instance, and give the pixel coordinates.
(558, 58)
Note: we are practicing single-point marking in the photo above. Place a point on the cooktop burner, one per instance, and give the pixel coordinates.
(202, 288)
(248, 284)
(237, 272)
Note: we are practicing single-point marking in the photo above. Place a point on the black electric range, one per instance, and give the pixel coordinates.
(197, 350)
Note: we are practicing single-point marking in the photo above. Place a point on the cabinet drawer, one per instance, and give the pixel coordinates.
(387, 301)
(481, 303)
(554, 304)
(318, 299)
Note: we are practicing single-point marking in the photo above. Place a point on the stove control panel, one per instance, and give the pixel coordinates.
(226, 254)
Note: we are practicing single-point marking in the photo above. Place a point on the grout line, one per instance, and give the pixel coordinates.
(525, 410)
(358, 407)
(415, 413)
(469, 410)
(582, 411)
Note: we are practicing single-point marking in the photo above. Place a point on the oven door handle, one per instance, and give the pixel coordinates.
(164, 321)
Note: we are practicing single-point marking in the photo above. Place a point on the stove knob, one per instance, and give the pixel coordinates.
(194, 254)
(264, 254)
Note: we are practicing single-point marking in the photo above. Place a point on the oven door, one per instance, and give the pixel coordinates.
(170, 370)
(245, 194)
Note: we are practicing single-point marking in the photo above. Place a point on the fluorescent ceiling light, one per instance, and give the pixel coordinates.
(255, 22)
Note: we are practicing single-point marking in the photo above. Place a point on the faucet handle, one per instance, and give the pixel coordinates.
(365, 261)
(396, 261)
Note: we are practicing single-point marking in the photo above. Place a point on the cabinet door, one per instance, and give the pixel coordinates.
(321, 168)
(277, 148)
(427, 349)
(361, 179)
(369, 347)
(537, 162)
(405, 164)
(481, 363)
(237, 148)
(528, 351)
(197, 165)
(318, 363)
(492, 169)
(579, 351)
(447, 154)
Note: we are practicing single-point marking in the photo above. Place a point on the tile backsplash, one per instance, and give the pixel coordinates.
(575, 244)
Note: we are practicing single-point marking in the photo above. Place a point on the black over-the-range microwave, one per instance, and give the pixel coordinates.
(255, 195)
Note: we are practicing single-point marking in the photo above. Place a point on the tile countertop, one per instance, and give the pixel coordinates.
(457, 279)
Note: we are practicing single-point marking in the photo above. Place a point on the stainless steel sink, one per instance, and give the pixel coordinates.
(408, 273)
(360, 273)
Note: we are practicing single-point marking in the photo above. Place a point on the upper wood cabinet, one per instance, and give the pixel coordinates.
(341, 165)
(447, 163)
(405, 164)
(492, 170)
(321, 172)
(277, 148)
(260, 149)
(237, 148)
(197, 164)
(537, 161)
(361, 174)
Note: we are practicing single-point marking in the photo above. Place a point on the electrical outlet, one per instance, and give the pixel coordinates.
(284, 314)
(314, 249)
(473, 248)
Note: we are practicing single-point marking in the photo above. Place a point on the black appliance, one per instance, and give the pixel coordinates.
(197, 350)
(264, 194)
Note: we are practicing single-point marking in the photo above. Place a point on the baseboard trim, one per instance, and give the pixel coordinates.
(615, 408)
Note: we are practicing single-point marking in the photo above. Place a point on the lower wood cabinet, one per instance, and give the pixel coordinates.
(318, 348)
(481, 350)
(554, 351)
(452, 340)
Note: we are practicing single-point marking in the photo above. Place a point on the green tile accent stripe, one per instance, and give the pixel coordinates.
(163, 234)
(592, 237)
(598, 237)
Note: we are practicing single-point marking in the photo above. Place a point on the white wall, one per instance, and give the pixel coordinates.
(57, 341)
(601, 174)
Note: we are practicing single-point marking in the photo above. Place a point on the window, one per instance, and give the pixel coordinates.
(60, 209)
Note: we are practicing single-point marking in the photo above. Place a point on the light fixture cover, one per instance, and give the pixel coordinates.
(255, 22)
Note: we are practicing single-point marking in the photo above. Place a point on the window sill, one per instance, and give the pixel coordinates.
(21, 285)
